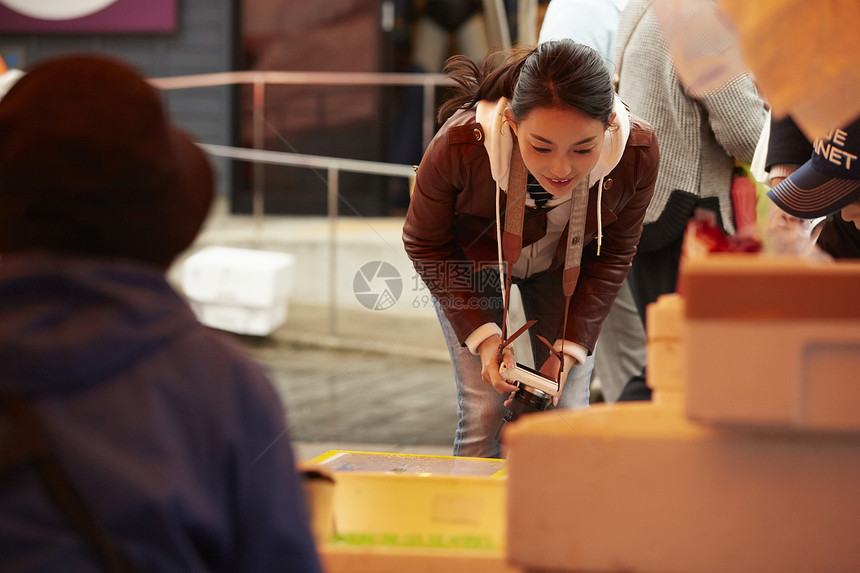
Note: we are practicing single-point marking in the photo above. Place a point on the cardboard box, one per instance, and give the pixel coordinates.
(346, 559)
(639, 487)
(772, 342)
(240, 290)
(745, 468)
(665, 348)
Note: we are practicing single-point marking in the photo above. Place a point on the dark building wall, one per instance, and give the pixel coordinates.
(205, 41)
(333, 121)
(225, 35)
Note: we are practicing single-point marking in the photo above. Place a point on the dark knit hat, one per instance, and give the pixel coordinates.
(89, 163)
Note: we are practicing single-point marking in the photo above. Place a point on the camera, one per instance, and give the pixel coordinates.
(534, 394)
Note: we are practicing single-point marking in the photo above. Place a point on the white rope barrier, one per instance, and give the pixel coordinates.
(312, 161)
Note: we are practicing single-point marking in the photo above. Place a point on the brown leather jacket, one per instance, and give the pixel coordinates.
(452, 218)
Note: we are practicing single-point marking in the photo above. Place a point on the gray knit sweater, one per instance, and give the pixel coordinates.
(699, 136)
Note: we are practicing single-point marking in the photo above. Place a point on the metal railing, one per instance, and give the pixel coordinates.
(333, 165)
(259, 80)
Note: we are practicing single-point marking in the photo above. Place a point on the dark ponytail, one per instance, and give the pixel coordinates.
(489, 82)
(559, 73)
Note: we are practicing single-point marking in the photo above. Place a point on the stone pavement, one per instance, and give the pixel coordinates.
(347, 399)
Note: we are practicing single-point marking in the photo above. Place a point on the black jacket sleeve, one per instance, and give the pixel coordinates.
(787, 144)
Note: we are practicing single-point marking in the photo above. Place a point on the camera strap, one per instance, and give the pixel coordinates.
(512, 237)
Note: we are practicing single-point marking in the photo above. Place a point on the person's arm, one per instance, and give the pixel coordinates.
(788, 149)
(430, 240)
(430, 233)
(736, 114)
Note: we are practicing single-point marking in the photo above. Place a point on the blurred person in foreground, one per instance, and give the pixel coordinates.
(133, 437)
(828, 185)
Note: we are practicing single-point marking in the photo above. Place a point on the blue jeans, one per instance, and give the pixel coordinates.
(479, 407)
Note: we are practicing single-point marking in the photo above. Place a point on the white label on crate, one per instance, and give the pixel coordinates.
(456, 509)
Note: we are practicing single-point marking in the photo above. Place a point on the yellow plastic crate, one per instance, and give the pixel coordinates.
(416, 501)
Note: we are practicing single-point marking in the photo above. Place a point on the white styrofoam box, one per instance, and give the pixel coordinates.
(246, 277)
(241, 319)
(239, 290)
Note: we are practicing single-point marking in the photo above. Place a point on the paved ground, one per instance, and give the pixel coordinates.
(349, 399)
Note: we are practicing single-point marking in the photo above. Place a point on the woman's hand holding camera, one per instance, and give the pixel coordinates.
(490, 362)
